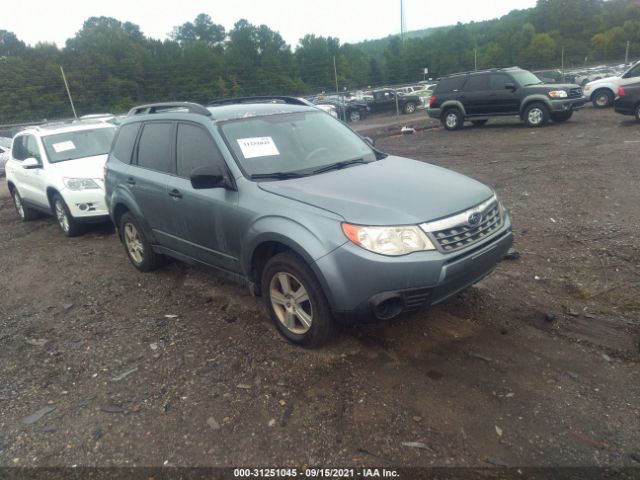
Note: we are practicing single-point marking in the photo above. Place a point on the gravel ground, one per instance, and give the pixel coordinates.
(537, 365)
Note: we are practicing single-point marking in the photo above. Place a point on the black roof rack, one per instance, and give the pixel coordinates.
(481, 71)
(260, 99)
(190, 107)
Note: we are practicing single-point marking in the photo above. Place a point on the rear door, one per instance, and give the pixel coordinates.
(148, 176)
(474, 95)
(212, 228)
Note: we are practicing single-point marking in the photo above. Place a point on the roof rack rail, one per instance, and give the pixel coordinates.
(160, 107)
(259, 99)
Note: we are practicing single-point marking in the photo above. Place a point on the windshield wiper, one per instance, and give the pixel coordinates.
(339, 165)
(278, 175)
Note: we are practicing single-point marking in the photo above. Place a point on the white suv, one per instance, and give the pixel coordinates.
(58, 170)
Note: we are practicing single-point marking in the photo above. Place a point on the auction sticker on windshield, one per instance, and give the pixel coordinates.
(63, 146)
(258, 147)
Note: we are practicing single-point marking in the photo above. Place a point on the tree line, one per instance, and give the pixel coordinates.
(110, 65)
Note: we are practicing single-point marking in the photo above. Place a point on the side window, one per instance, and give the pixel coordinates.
(195, 148)
(154, 147)
(33, 150)
(497, 81)
(476, 83)
(634, 72)
(124, 142)
(450, 84)
(19, 151)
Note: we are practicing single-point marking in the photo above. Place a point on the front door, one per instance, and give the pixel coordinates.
(502, 99)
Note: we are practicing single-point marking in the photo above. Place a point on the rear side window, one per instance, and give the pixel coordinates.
(124, 142)
(195, 148)
(154, 147)
(476, 83)
(450, 84)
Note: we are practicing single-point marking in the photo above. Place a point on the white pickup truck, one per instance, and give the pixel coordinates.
(602, 92)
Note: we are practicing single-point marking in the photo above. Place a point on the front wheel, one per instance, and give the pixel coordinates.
(561, 117)
(69, 225)
(536, 115)
(452, 119)
(295, 301)
(602, 98)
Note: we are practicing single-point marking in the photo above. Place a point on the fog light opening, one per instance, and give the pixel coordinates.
(388, 308)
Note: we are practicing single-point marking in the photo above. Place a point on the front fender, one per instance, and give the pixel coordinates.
(538, 97)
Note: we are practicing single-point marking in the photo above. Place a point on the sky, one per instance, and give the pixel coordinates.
(351, 21)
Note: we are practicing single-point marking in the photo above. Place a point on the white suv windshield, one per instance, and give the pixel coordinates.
(293, 142)
(78, 144)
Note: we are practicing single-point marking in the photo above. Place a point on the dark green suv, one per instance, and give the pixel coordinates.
(478, 96)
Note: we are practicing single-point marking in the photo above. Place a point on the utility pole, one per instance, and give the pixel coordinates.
(403, 21)
(68, 93)
(475, 59)
(626, 55)
(562, 63)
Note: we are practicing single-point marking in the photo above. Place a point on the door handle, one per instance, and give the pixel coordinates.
(175, 193)
(131, 181)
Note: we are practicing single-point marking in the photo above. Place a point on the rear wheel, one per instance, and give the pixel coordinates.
(409, 107)
(295, 301)
(452, 119)
(478, 123)
(69, 225)
(536, 115)
(602, 98)
(25, 213)
(354, 115)
(561, 117)
(138, 248)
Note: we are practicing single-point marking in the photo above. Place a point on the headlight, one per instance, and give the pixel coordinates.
(397, 240)
(558, 94)
(80, 183)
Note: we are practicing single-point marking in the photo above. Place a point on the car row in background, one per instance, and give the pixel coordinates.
(602, 92)
(5, 153)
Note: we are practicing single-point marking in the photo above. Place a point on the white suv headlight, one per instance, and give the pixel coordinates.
(396, 240)
(558, 94)
(80, 183)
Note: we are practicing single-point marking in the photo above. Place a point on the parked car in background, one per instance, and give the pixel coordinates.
(385, 99)
(478, 96)
(628, 100)
(5, 153)
(300, 208)
(549, 76)
(58, 170)
(407, 90)
(602, 92)
(424, 95)
(347, 110)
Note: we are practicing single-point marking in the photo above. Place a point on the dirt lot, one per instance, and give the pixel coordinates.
(535, 366)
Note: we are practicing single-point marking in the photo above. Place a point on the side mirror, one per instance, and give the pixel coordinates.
(370, 141)
(209, 176)
(30, 163)
(510, 86)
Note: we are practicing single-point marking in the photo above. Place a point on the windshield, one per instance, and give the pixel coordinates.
(78, 144)
(525, 78)
(299, 142)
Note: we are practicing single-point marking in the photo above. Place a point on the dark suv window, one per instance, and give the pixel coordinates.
(195, 148)
(124, 142)
(476, 83)
(497, 81)
(451, 84)
(154, 147)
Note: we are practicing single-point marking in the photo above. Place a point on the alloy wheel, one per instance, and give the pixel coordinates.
(291, 303)
(133, 243)
(535, 116)
(61, 215)
(451, 120)
(18, 203)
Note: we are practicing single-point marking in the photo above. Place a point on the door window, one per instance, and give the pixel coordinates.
(195, 148)
(19, 151)
(497, 81)
(154, 147)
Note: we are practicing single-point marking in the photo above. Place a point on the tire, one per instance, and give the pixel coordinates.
(354, 115)
(637, 113)
(307, 322)
(452, 119)
(69, 225)
(478, 123)
(138, 248)
(561, 117)
(602, 98)
(409, 107)
(536, 115)
(25, 213)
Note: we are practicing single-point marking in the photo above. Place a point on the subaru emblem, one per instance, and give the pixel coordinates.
(474, 219)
